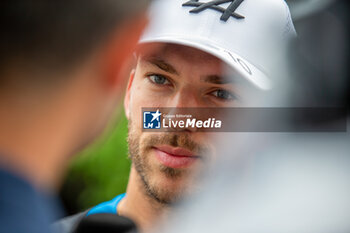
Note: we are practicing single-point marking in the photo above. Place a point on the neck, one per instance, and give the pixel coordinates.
(36, 139)
(139, 207)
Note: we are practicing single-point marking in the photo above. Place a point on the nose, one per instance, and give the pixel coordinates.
(184, 103)
(185, 98)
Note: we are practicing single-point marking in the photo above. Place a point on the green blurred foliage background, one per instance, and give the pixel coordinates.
(98, 173)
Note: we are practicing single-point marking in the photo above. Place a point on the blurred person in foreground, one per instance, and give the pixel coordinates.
(192, 43)
(60, 81)
(300, 183)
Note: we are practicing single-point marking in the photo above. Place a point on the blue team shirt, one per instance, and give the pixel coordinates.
(23, 209)
(108, 207)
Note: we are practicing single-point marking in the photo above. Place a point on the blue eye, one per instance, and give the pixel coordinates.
(222, 94)
(158, 79)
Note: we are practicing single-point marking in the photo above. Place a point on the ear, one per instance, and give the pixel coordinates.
(127, 94)
(119, 49)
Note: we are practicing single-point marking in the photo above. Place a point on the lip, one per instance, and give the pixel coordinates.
(175, 157)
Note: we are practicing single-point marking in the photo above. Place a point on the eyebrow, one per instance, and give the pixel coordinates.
(163, 65)
(216, 79)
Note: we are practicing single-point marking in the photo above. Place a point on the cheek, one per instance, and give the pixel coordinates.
(141, 97)
(136, 105)
(210, 141)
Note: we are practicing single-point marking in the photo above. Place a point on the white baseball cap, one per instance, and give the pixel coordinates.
(242, 33)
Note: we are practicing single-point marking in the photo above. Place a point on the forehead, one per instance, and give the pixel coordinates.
(180, 54)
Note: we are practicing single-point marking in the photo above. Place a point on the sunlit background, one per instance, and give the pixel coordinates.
(100, 172)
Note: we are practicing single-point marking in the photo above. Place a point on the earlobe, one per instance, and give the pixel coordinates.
(127, 94)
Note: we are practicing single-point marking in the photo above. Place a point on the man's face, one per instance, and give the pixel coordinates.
(174, 76)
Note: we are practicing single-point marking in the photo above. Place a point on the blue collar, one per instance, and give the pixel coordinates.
(108, 207)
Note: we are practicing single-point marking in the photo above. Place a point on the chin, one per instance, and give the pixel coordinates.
(170, 188)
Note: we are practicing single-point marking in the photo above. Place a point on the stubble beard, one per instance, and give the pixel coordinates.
(140, 148)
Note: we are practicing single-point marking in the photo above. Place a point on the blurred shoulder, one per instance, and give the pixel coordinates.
(68, 224)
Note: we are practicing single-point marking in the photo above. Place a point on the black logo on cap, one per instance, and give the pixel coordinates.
(214, 5)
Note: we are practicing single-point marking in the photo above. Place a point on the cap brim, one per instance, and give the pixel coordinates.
(240, 66)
